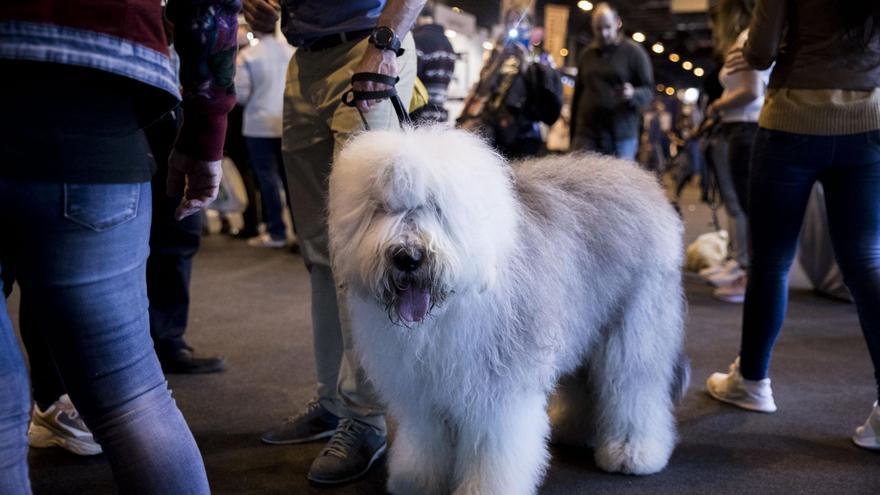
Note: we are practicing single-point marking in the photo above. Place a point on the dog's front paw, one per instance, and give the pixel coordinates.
(640, 457)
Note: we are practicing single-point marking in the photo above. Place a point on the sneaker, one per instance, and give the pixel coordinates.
(713, 270)
(733, 293)
(349, 454)
(61, 425)
(313, 423)
(245, 233)
(731, 387)
(266, 241)
(867, 436)
(726, 278)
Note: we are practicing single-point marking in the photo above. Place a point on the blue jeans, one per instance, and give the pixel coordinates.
(265, 154)
(784, 168)
(625, 148)
(79, 253)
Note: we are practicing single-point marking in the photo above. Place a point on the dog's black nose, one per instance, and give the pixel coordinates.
(407, 260)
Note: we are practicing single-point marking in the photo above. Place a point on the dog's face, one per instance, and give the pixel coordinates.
(418, 216)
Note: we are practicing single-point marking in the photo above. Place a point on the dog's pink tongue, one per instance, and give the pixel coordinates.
(412, 304)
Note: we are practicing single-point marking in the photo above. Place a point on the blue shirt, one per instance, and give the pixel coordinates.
(307, 20)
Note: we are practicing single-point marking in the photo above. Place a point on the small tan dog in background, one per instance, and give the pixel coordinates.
(708, 250)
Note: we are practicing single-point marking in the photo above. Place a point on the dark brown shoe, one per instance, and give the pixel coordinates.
(185, 362)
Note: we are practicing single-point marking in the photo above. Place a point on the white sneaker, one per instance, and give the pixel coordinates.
(713, 270)
(726, 278)
(266, 241)
(61, 425)
(733, 293)
(867, 436)
(731, 387)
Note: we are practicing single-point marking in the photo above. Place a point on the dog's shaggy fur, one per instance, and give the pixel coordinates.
(528, 273)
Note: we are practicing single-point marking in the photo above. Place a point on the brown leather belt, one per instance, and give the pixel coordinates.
(331, 40)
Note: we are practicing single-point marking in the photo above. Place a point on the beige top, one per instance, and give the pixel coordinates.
(821, 111)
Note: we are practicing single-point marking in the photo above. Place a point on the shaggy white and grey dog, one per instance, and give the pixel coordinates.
(475, 286)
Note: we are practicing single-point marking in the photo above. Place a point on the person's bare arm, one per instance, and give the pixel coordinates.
(399, 15)
(750, 91)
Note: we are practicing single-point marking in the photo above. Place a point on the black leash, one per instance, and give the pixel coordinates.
(351, 97)
(710, 188)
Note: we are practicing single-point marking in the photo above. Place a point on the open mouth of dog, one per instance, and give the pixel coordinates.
(412, 304)
(409, 300)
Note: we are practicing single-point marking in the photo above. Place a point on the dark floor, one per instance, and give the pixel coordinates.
(253, 306)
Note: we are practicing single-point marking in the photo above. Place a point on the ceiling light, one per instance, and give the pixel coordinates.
(673, 57)
(585, 5)
(670, 91)
(640, 37)
(657, 47)
(686, 65)
(698, 72)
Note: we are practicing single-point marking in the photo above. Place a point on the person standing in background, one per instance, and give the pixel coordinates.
(518, 89)
(259, 86)
(436, 64)
(737, 109)
(173, 245)
(820, 122)
(614, 81)
(334, 40)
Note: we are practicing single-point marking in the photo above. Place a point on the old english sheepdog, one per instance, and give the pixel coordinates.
(476, 286)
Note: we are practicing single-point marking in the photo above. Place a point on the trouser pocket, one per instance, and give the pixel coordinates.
(101, 207)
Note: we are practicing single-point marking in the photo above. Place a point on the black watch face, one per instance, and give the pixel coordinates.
(383, 36)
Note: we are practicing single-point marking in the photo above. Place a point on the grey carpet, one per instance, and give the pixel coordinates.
(252, 306)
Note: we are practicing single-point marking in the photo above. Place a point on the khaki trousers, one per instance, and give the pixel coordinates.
(316, 125)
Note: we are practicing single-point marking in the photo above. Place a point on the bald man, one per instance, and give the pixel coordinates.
(614, 82)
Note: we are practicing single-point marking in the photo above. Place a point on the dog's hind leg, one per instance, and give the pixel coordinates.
(421, 458)
(633, 372)
(504, 451)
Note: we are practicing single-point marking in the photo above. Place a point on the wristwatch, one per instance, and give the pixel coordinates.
(384, 38)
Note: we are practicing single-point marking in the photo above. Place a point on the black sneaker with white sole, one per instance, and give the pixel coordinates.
(349, 454)
(312, 423)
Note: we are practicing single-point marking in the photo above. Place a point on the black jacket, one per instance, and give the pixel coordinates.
(597, 106)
